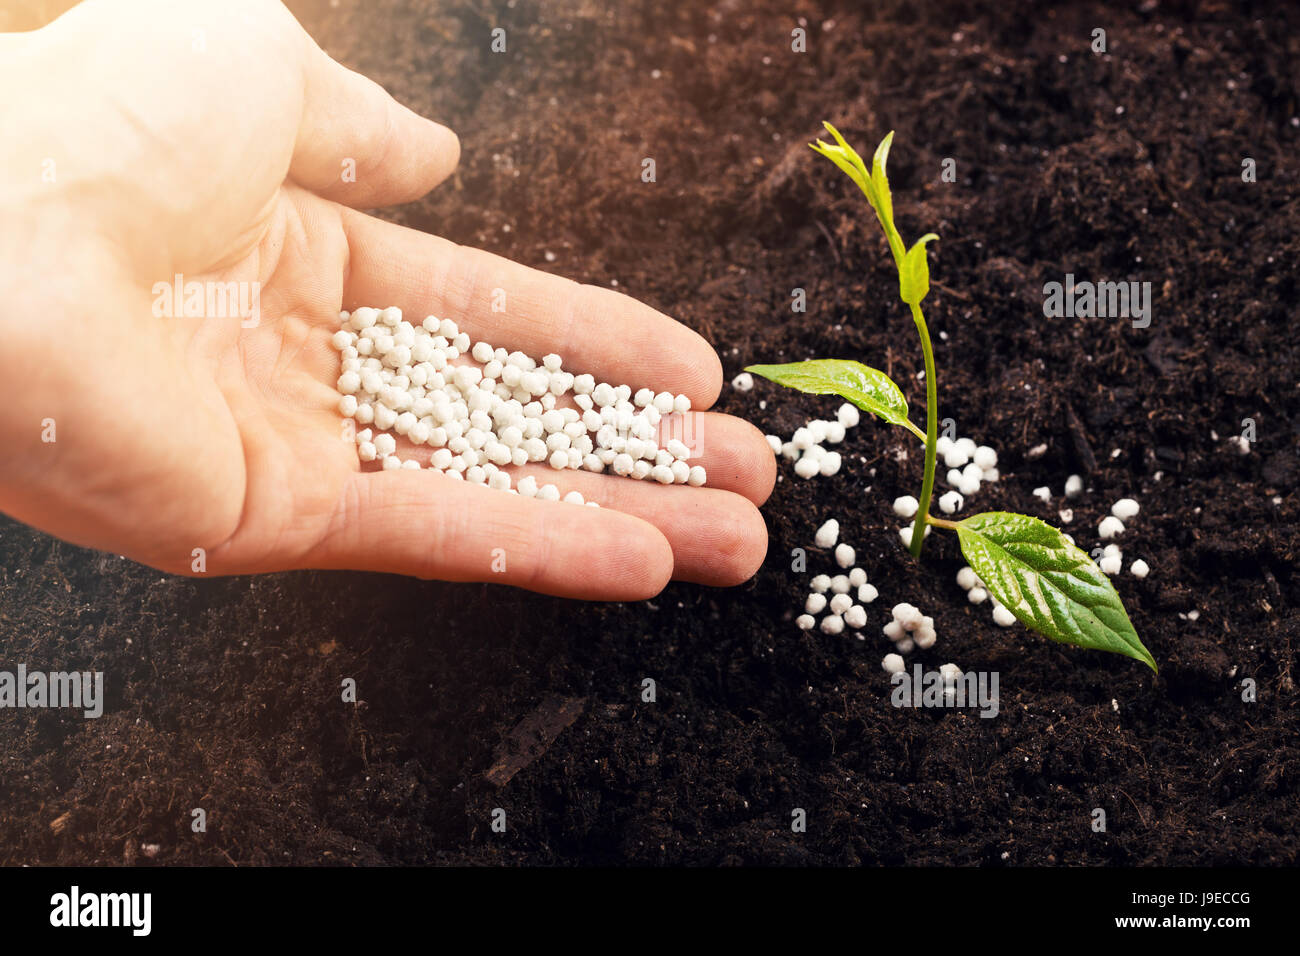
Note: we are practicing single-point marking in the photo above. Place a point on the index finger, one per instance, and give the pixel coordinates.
(598, 331)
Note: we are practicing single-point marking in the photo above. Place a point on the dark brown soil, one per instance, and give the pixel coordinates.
(224, 694)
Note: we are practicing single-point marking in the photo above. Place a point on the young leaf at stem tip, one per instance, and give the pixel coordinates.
(868, 388)
(874, 184)
(846, 158)
(1048, 584)
(914, 276)
(884, 198)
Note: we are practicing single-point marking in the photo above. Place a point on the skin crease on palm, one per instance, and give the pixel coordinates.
(208, 139)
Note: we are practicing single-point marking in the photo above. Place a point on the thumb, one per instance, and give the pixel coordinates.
(358, 146)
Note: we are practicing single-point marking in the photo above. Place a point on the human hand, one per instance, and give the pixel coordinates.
(207, 140)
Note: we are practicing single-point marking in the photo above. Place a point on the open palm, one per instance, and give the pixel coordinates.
(214, 152)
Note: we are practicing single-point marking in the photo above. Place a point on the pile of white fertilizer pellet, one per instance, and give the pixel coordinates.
(910, 629)
(969, 465)
(806, 449)
(483, 409)
(843, 610)
(806, 446)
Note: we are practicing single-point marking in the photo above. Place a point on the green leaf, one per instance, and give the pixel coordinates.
(879, 179)
(868, 388)
(1048, 583)
(836, 156)
(874, 184)
(847, 159)
(914, 274)
(852, 154)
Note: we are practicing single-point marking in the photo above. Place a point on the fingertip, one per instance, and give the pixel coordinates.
(758, 462)
(726, 549)
(414, 155)
(742, 545)
(433, 155)
(576, 551)
(710, 371)
(646, 559)
(733, 452)
(453, 147)
(359, 146)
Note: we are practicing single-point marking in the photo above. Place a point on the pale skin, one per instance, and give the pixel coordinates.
(146, 139)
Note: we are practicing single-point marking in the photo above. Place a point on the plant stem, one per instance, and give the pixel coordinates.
(942, 523)
(931, 433)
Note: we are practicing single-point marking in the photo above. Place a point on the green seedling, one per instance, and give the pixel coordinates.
(1030, 567)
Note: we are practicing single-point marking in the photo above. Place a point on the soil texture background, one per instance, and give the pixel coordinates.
(225, 694)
